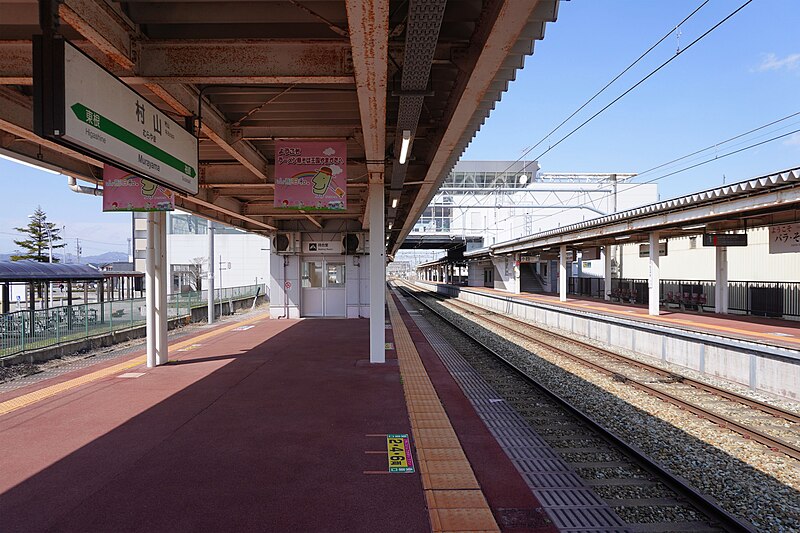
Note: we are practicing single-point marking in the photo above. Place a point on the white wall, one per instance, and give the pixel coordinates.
(357, 275)
(284, 297)
(356, 279)
(248, 255)
(750, 263)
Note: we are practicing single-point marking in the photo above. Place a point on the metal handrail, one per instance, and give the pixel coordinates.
(25, 330)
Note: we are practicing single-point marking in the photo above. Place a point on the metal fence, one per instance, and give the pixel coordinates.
(758, 298)
(27, 330)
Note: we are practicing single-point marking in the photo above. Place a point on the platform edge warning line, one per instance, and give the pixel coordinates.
(456, 473)
(31, 398)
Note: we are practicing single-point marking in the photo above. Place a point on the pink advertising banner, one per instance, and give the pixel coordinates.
(311, 175)
(122, 191)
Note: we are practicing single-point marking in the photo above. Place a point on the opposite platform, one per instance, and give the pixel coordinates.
(768, 331)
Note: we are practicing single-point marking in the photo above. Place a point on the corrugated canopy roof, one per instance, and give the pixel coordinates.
(35, 271)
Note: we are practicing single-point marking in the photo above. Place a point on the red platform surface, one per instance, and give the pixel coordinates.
(263, 429)
(770, 331)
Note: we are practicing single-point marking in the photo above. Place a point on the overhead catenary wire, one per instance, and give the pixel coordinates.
(607, 85)
(716, 145)
(709, 160)
(648, 76)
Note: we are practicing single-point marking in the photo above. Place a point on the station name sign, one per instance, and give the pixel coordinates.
(79, 104)
(725, 239)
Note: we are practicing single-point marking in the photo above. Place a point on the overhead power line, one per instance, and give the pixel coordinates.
(653, 72)
(607, 85)
(684, 169)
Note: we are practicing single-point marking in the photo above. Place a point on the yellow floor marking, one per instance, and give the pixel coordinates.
(443, 466)
(47, 392)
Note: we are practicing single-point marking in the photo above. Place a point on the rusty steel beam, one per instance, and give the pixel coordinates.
(245, 62)
(16, 117)
(200, 62)
(190, 201)
(225, 205)
(313, 220)
(267, 209)
(368, 21)
(105, 29)
(511, 20)
(183, 99)
(16, 63)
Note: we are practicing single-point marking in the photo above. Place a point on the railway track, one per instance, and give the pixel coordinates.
(592, 448)
(771, 426)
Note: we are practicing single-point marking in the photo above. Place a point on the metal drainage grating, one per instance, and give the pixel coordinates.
(571, 504)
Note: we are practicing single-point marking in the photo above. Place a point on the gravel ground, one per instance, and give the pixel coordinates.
(750, 481)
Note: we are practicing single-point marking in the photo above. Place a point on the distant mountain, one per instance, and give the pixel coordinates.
(108, 257)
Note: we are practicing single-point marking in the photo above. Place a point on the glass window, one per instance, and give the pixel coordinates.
(336, 275)
(312, 274)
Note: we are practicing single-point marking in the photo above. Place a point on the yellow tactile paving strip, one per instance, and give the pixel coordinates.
(47, 392)
(455, 500)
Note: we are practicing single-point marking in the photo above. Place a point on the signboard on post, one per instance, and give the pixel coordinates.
(122, 191)
(81, 105)
(644, 249)
(725, 239)
(311, 175)
(590, 254)
(784, 238)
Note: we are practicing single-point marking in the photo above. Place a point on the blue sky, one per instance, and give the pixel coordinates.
(743, 75)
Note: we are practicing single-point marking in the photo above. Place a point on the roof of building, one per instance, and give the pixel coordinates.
(661, 214)
(35, 271)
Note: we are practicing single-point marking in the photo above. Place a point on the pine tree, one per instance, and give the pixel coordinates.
(37, 243)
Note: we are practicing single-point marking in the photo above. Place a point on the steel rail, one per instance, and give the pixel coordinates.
(774, 443)
(704, 503)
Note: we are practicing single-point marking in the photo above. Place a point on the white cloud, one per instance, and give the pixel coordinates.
(773, 62)
(792, 140)
(329, 151)
(336, 170)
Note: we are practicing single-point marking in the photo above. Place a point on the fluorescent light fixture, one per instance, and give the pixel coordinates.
(622, 237)
(404, 146)
(394, 203)
(28, 162)
(523, 179)
(696, 226)
(578, 244)
(545, 249)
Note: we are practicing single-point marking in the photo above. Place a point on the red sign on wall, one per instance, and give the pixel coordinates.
(311, 175)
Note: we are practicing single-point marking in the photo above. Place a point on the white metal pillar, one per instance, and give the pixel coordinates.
(562, 273)
(377, 274)
(654, 279)
(150, 289)
(607, 271)
(210, 272)
(721, 286)
(162, 314)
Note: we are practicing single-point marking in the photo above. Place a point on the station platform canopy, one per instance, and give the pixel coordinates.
(244, 76)
(28, 271)
(440, 242)
(762, 201)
